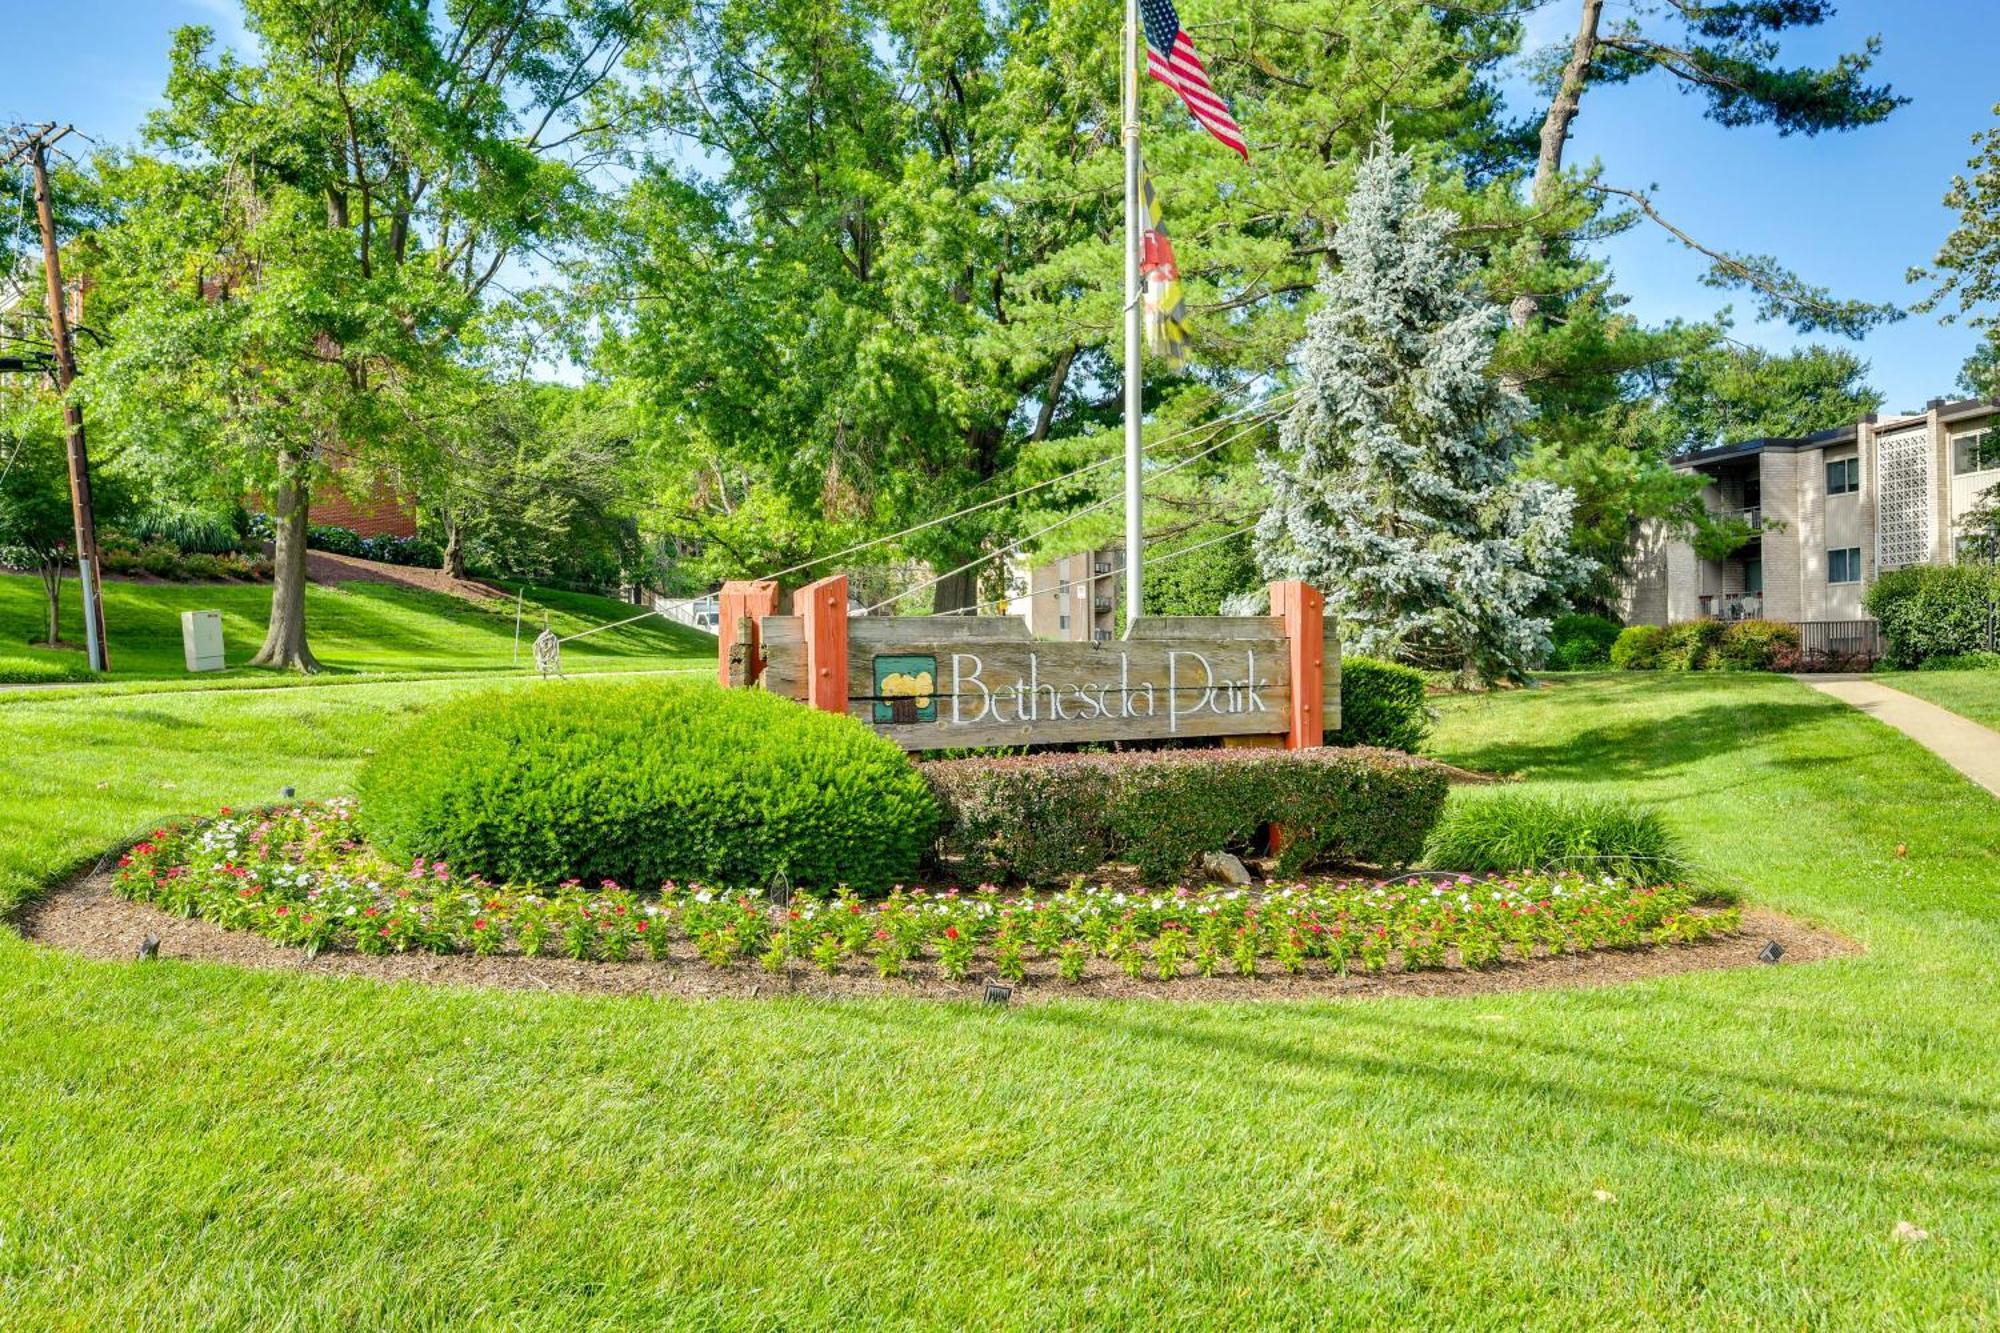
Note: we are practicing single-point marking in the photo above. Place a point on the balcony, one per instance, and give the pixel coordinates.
(1731, 606)
(1104, 604)
(1754, 516)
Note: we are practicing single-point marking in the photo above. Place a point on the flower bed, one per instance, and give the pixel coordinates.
(297, 874)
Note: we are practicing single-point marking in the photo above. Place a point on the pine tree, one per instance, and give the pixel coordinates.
(1393, 487)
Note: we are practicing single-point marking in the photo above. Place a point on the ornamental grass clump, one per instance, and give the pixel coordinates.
(1515, 830)
(640, 783)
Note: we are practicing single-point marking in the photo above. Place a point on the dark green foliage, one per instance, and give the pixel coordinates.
(1381, 704)
(1049, 816)
(1935, 610)
(1637, 648)
(1980, 661)
(1758, 645)
(1514, 830)
(641, 783)
(1581, 642)
(386, 548)
(1196, 585)
(1690, 645)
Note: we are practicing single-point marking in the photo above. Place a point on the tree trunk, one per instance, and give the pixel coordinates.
(285, 641)
(52, 572)
(1555, 132)
(956, 593)
(454, 550)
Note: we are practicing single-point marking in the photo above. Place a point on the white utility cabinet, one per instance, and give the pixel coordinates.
(201, 639)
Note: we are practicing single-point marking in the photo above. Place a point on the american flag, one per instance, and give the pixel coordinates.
(1170, 58)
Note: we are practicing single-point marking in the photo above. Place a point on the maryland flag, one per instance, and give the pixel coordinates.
(1166, 309)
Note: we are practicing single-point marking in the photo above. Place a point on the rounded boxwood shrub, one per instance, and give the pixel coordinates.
(1637, 648)
(1580, 642)
(1934, 610)
(645, 782)
(1758, 645)
(1381, 704)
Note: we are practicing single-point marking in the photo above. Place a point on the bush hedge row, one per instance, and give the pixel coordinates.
(1708, 645)
(1935, 611)
(645, 782)
(1046, 817)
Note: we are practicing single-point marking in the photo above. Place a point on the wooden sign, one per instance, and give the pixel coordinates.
(957, 681)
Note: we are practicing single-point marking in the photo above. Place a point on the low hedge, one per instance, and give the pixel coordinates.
(1708, 645)
(1580, 642)
(1047, 817)
(1637, 648)
(1381, 704)
(645, 782)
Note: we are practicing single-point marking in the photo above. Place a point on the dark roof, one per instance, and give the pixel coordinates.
(1722, 453)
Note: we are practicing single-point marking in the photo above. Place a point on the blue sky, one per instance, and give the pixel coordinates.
(1850, 211)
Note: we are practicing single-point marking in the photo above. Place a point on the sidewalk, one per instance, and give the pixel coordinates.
(1968, 747)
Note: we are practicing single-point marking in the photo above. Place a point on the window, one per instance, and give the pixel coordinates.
(1977, 452)
(1753, 574)
(1843, 565)
(1062, 622)
(1843, 476)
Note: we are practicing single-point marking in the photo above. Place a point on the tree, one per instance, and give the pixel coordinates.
(1964, 278)
(1726, 54)
(1394, 486)
(1730, 393)
(888, 273)
(292, 283)
(37, 528)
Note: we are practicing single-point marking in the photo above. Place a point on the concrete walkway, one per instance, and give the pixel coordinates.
(1968, 747)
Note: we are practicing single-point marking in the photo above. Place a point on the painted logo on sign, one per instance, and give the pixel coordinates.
(906, 687)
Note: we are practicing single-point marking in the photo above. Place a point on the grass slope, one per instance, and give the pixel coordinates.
(1973, 694)
(188, 1146)
(353, 627)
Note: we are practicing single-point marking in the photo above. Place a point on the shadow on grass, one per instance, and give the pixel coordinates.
(1646, 745)
(1607, 1082)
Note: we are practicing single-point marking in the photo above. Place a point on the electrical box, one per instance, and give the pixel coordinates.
(201, 640)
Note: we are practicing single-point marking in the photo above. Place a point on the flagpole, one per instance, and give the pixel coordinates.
(1134, 385)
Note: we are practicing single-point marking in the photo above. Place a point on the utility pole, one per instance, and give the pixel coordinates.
(34, 144)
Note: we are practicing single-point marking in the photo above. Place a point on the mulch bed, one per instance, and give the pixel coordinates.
(87, 917)
(326, 567)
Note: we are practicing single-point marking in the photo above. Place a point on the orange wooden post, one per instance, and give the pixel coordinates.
(741, 598)
(1302, 609)
(824, 606)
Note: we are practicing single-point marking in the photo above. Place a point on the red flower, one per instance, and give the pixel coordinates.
(282, 911)
(384, 932)
(951, 932)
(480, 924)
(641, 927)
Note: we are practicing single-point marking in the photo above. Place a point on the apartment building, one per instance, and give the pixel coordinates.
(1831, 511)
(1075, 598)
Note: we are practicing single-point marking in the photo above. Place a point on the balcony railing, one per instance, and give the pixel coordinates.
(1753, 515)
(1733, 606)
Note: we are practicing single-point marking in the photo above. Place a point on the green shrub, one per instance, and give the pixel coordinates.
(1516, 830)
(1980, 661)
(1581, 642)
(1047, 817)
(1381, 704)
(1934, 610)
(1758, 645)
(1637, 648)
(646, 782)
(1690, 645)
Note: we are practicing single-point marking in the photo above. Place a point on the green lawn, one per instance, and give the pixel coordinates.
(1973, 694)
(353, 627)
(190, 1146)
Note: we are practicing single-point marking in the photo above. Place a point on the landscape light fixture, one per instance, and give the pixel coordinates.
(1771, 952)
(286, 793)
(998, 994)
(149, 948)
(779, 892)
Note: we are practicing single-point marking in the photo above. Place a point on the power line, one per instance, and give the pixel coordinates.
(1152, 562)
(1105, 503)
(1260, 406)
